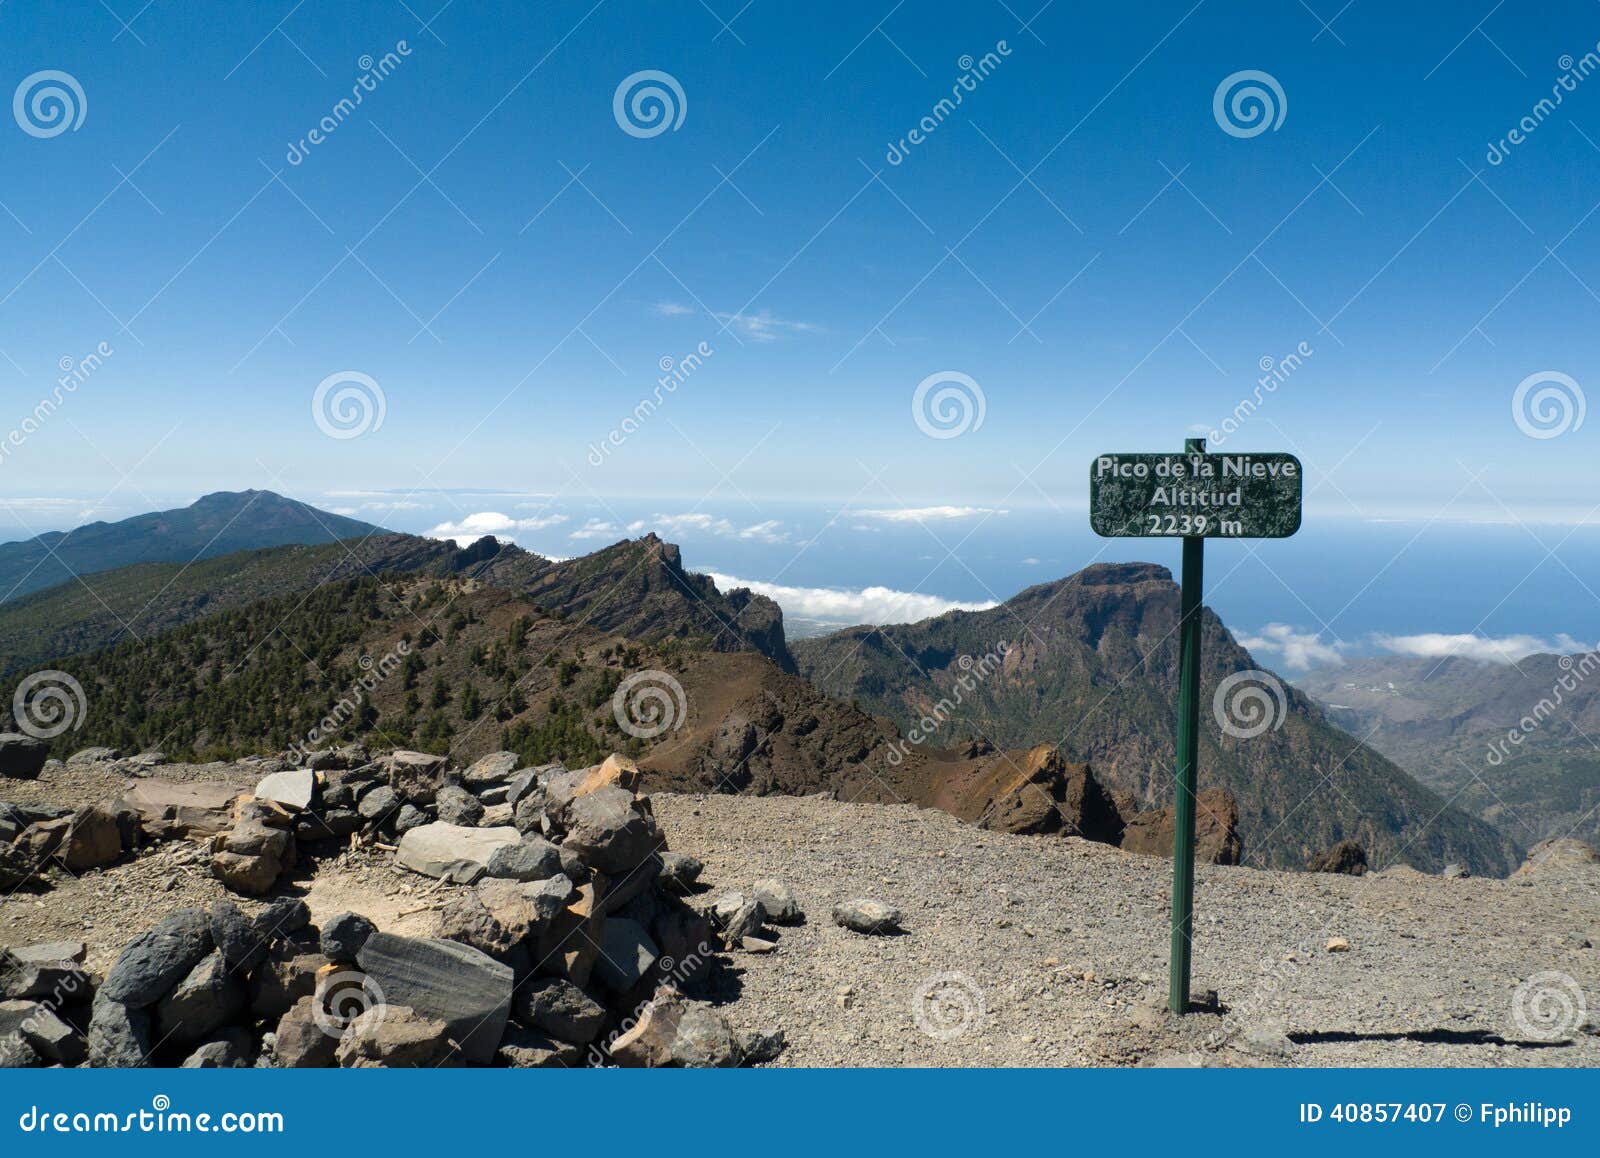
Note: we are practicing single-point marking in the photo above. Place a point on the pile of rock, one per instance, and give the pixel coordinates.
(33, 835)
(564, 939)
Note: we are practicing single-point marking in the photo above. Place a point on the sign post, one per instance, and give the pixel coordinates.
(1194, 496)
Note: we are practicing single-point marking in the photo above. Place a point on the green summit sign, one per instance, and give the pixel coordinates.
(1208, 496)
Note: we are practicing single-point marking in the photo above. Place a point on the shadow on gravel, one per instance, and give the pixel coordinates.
(1426, 1036)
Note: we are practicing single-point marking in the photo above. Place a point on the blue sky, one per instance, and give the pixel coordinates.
(1081, 238)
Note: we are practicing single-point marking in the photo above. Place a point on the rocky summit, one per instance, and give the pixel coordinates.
(604, 926)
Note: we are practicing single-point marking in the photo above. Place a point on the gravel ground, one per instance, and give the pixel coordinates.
(1015, 950)
(1062, 945)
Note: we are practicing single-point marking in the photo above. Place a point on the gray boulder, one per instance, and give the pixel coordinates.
(344, 934)
(863, 915)
(609, 831)
(491, 770)
(119, 1037)
(626, 955)
(466, 990)
(680, 871)
(528, 1049)
(300, 1041)
(409, 817)
(560, 1009)
(231, 1049)
(417, 776)
(24, 973)
(210, 997)
(47, 1034)
(236, 938)
(22, 757)
(292, 789)
(458, 806)
(396, 1037)
(778, 901)
(93, 756)
(379, 805)
(532, 858)
(452, 852)
(157, 960)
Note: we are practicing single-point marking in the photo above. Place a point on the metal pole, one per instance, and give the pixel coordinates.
(1187, 763)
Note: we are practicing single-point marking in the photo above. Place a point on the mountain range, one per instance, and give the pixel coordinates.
(490, 646)
(1091, 664)
(1515, 743)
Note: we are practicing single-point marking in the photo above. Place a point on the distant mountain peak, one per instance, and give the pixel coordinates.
(215, 524)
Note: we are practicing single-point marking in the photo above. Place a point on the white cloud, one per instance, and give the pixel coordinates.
(843, 606)
(596, 529)
(764, 326)
(1488, 649)
(770, 531)
(482, 523)
(927, 514)
(1297, 650)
